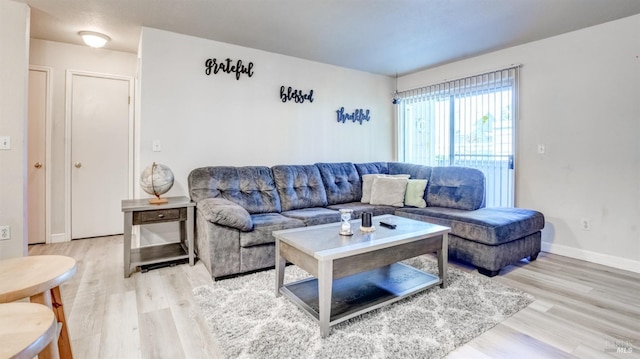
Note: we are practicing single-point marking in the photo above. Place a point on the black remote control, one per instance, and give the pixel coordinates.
(388, 225)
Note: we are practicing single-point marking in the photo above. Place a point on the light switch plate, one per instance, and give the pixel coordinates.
(156, 147)
(5, 142)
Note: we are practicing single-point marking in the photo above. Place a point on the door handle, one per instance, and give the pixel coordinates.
(37, 165)
(78, 164)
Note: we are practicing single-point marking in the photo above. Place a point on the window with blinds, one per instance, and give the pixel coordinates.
(467, 122)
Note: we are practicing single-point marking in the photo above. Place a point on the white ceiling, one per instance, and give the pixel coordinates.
(377, 36)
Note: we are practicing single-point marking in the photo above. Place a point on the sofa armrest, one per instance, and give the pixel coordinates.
(225, 213)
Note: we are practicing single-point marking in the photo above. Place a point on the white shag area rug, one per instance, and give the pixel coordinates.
(250, 322)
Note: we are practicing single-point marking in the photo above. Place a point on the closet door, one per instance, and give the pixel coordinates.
(37, 164)
(100, 119)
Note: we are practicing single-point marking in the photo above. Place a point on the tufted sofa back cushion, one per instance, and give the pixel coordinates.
(456, 187)
(251, 187)
(372, 168)
(299, 187)
(416, 171)
(341, 182)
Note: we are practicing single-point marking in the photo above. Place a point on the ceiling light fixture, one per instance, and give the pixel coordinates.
(94, 39)
(396, 96)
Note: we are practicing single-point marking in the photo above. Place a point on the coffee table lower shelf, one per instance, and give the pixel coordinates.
(361, 292)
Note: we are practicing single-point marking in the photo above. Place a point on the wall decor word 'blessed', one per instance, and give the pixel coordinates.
(227, 66)
(358, 115)
(298, 96)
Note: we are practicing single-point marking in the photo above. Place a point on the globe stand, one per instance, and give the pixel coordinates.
(158, 200)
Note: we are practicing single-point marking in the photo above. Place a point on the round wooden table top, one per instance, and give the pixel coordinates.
(25, 329)
(24, 277)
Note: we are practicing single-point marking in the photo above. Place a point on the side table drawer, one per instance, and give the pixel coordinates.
(160, 215)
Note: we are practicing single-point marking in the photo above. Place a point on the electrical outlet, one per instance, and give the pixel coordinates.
(541, 149)
(5, 143)
(5, 232)
(586, 224)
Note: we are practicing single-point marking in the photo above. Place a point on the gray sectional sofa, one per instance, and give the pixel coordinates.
(237, 208)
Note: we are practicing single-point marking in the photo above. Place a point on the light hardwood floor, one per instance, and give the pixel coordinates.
(582, 310)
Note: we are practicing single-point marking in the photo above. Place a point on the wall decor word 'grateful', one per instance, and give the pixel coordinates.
(237, 68)
(358, 115)
(298, 96)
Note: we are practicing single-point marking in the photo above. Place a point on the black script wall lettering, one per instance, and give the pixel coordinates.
(358, 115)
(238, 68)
(298, 96)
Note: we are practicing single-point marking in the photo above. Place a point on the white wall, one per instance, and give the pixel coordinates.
(14, 65)
(205, 120)
(580, 97)
(62, 57)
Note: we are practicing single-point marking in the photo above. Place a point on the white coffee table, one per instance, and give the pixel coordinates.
(356, 274)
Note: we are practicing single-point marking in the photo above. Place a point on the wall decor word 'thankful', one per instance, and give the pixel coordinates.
(358, 115)
(237, 68)
(298, 96)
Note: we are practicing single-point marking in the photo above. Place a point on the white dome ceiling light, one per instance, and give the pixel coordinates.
(94, 39)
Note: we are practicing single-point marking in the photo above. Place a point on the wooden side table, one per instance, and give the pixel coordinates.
(26, 329)
(39, 278)
(140, 212)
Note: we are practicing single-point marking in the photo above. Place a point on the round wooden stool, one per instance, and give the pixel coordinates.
(39, 277)
(26, 329)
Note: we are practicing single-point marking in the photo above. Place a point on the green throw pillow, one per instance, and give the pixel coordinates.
(414, 195)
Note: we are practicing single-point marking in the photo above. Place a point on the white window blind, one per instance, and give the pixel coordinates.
(466, 122)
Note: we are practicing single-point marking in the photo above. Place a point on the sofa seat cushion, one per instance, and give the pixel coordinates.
(492, 225)
(314, 216)
(299, 187)
(263, 225)
(358, 208)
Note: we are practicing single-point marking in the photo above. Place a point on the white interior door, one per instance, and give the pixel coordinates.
(100, 150)
(37, 163)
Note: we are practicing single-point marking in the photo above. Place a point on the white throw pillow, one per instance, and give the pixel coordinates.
(389, 191)
(367, 183)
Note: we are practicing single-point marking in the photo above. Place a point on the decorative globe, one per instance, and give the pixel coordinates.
(157, 180)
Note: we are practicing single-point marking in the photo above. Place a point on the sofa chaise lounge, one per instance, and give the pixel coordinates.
(237, 209)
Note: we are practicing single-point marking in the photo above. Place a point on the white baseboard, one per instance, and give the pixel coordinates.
(58, 238)
(593, 257)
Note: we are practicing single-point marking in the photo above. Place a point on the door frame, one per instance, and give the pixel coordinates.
(47, 152)
(67, 135)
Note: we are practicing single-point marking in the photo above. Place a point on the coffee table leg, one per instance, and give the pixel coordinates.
(325, 283)
(280, 264)
(443, 259)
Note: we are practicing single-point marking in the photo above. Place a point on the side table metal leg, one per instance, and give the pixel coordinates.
(189, 231)
(128, 224)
